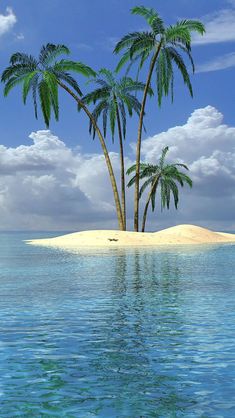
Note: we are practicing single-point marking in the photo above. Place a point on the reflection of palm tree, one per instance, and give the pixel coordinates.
(164, 175)
(120, 272)
(42, 77)
(115, 98)
(161, 46)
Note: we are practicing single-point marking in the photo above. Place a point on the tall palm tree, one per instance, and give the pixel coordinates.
(114, 99)
(42, 77)
(161, 48)
(167, 176)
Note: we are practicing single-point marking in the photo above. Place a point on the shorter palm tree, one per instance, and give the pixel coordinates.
(114, 99)
(167, 176)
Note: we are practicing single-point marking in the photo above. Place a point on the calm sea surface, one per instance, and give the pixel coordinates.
(118, 333)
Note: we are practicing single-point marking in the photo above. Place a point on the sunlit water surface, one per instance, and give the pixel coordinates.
(117, 333)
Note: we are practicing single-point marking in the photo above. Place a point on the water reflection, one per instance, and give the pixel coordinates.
(123, 333)
(142, 323)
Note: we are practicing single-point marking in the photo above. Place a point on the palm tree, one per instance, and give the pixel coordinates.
(167, 176)
(115, 99)
(161, 47)
(42, 77)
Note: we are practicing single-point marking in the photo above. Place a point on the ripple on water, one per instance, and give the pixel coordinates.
(123, 333)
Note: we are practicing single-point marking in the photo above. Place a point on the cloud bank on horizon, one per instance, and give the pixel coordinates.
(54, 187)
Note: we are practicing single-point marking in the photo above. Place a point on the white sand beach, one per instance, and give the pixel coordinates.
(176, 235)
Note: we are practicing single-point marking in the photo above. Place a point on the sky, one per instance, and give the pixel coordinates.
(55, 179)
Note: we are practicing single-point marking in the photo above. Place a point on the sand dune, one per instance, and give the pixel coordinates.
(176, 235)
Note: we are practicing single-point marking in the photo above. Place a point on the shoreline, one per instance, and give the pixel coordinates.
(176, 235)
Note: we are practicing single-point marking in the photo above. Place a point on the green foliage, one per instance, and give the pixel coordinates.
(41, 77)
(165, 176)
(163, 45)
(152, 18)
(113, 97)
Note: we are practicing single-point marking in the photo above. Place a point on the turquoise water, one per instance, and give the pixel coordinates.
(120, 333)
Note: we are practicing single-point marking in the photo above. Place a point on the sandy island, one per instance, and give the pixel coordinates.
(176, 235)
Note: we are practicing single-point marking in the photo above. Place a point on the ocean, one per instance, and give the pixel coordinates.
(132, 333)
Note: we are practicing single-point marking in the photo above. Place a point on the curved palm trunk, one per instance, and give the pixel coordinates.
(138, 145)
(147, 203)
(105, 151)
(145, 212)
(123, 191)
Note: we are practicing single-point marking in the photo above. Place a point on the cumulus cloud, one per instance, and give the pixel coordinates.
(219, 28)
(219, 63)
(207, 146)
(7, 21)
(45, 185)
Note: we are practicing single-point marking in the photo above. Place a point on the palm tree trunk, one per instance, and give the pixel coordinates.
(122, 162)
(105, 151)
(154, 185)
(145, 213)
(138, 145)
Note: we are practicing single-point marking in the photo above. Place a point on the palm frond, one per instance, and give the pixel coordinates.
(75, 66)
(144, 186)
(132, 103)
(131, 169)
(181, 165)
(34, 86)
(64, 76)
(112, 118)
(50, 52)
(151, 16)
(174, 189)
(163, 156)
(144, 43)
(45, 101)
(125, 59)
(105, 119)
(186, 51)
(127, 41)
(130, 85)
(12, 82)
(178, 60)
(16, 70)
(100, 107)
(178, 33)
(193, 26)
(24, 59)
(98, 94)
(163, 77)
(28, 82)
(52, 86)
(108, 76)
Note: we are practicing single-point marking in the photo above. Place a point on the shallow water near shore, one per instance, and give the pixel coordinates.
(116, 333)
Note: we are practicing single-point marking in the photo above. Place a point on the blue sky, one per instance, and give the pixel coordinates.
(90, 28)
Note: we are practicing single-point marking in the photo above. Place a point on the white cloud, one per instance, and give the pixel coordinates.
(207, 146)
(7, 21)
(46, 185)
(219, 28)
(20, 37)
(219, 63)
